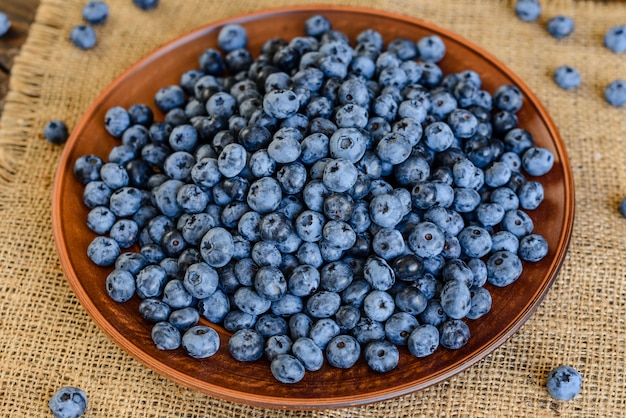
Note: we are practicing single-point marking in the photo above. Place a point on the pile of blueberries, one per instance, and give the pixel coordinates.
(324, 202)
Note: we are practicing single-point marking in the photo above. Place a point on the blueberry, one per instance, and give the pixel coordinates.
(388, 243)
(533, 247)
(232, 37)
(316, 25)
(200, 341)
(264, 195)
(103, 251)
(381, 356)
(517, 222)
(426, 239)
(480, 303)
(215, 307)
(308, 352)
(236, 320)
(527, 10)
(68, 402)
(184, 318)
(270, 283)
(269, 325)
(393, 148)
(131, 262)
(287, 305)
(5, 24)
(275, 227)
(323, 304)
(399, 326)
(503, 268)
(56, 132)
(287, 368)
(339, 175)
(150, 281)
(615, 93)
(120, 285)
(169, 97)
(217, 247)
(146, 4)
(560, 26)
(277, 345)
(95, 12)
(378, 273)
(431, 48)
(378, 305)
(200, 280)
(433, 314)
(280, 103)
(165, 336)
(423, 340)
(386, 210)
(249, 301)
(455, 299)
(454, 334)
(615, 39)
(566, 77)
(83, 36)
(343, 351)
(338, 207)
(266, 254)
(246, 345)
(563, 383)
(125, 232)
(475, 241)
(154, 310)
(530, 195)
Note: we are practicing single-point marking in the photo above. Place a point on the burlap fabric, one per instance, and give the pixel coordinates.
(47, 340)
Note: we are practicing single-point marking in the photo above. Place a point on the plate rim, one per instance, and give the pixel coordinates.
(312, 403)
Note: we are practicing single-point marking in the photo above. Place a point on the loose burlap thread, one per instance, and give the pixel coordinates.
(47, 340)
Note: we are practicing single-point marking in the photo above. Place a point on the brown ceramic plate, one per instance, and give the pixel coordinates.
(223, 377)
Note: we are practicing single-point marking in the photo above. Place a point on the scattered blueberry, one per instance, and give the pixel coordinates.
(563, 383)
(560, 26)
(68, 402)
(56, 132)
(528, 10)
(567, 77)
(95, 12)
(615, 39)
(615, 93)
(83, 36)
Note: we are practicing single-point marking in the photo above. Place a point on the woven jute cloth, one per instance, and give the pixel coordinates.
(47, 340)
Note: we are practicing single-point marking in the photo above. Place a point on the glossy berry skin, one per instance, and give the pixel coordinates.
(567, 77)
(200, 341)
(103, 251)
(533, 248)
(56, 132)
(165, 336)
(615, 93)
(232, 37)
(343, 351)
(560, 26)
(503, 268)
(381, 356)
(454, 334)
(246, 345)
(423, 340)
(83, 37)
(563, 383)
(68, 402)
(287, 369)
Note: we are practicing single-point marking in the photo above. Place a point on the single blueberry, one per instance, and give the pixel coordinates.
(68, 401)
(563, 383)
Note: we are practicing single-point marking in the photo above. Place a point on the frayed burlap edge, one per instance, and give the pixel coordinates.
(28, 74)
